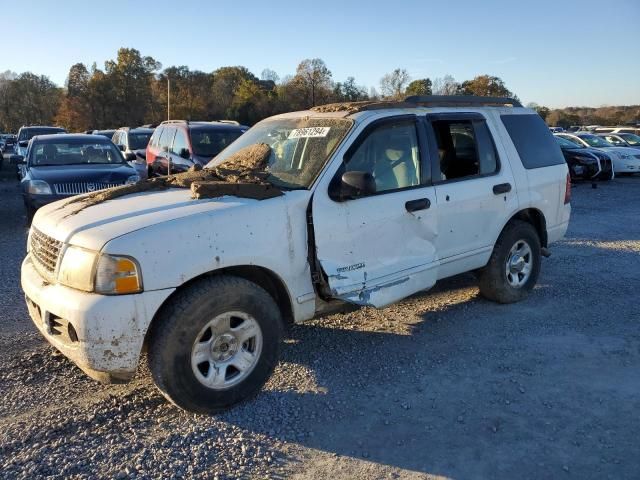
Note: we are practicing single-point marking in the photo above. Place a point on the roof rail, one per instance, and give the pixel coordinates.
(176, 121)
(230, 122)
(462, 101)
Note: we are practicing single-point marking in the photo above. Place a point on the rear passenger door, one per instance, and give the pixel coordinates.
(474, 190)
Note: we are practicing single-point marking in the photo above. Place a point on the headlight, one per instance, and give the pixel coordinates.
(77, 268)
(133, 179)
(117, 275)
(93, 272)
(39, 187)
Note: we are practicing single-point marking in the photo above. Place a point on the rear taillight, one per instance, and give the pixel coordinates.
(567, 190)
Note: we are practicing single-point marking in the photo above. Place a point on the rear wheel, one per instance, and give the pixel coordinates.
(215, 344)
(514, 266)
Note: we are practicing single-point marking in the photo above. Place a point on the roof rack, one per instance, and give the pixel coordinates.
(462, 101)
(176, 121)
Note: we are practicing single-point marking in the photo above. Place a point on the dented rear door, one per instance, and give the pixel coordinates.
(377, 249)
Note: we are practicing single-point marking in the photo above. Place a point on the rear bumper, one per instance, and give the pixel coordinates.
(101, 334)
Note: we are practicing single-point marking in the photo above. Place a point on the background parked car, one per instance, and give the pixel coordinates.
(179, 144)
(625, 160)
(104, 133)
(26, 133)
(59, 166)
(622, 139)
(133, 144)
(585, 163)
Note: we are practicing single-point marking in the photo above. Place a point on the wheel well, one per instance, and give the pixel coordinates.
(536, 218)
(262, 277)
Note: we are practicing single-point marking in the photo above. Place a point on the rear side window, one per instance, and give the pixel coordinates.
(533, 141)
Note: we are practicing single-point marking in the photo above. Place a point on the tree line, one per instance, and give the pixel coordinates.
(132, 90)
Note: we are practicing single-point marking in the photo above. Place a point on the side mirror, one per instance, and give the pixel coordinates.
(17, 159)
(353, 185)
(23, 143)
(130, 157)
(185, 153)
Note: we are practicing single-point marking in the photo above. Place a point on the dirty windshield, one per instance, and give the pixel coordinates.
(299, 147)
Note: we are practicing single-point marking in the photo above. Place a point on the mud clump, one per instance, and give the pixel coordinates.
(355, 107)
(243, 174)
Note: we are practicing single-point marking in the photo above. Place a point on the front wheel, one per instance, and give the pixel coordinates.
(514, 266)
(215, 344)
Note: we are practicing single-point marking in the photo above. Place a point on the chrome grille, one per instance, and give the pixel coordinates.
(82, 187)
(45, 252)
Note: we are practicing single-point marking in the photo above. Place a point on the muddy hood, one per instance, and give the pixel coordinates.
(94, 226)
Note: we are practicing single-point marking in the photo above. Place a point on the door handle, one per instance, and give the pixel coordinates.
(502, 188)
(419, 204)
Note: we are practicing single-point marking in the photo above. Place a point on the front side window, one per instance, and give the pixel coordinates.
(390, 154)
(73, 152)
(614, 140)
(465, 149)
(631, 138)
(299, 146)
(595, 141)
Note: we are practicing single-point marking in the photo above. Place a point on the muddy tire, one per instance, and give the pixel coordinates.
(215, 344)
(514, 266)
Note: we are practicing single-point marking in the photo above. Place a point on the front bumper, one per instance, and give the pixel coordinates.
(101, 334)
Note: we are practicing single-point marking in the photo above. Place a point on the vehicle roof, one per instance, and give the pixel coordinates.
(139, 130)
(71, 136)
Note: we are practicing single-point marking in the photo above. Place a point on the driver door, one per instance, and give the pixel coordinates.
(379, 248)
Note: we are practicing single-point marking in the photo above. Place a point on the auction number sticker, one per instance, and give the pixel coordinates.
(309, 132)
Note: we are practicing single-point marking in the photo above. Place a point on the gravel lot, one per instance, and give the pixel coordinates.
(444, 384)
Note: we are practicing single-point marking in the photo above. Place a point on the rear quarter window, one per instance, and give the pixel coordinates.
(534, 142)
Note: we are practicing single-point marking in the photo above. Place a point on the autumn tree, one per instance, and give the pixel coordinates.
(28, 99)
(130, 76)
(394, 84)
(75, 112)
(485, 86)
(419, 87)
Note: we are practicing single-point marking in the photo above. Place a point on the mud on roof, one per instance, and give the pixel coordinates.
(355, 107)
(243, 174)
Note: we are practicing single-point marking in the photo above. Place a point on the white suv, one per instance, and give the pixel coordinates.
(379, 201)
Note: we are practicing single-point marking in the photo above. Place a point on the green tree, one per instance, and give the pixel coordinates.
(419, 87)
(349, 91)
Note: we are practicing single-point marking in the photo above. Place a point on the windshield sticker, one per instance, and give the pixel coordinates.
(309, 132)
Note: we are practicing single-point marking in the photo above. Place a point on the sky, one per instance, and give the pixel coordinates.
(554, 53)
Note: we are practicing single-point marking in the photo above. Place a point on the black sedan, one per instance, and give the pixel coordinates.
(62, 165)
(585, 163)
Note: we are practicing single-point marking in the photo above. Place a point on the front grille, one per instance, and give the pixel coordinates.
(44, 251)
(82, 187)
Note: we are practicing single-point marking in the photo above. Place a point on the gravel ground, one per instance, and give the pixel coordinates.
(444, 384)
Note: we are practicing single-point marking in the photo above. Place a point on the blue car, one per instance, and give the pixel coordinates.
(63, 165)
